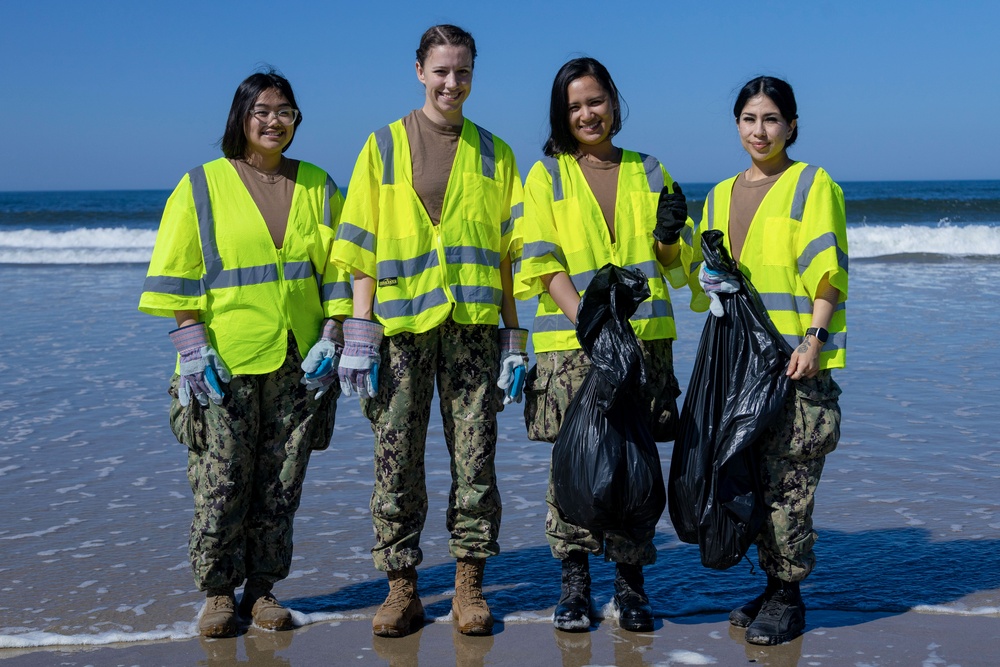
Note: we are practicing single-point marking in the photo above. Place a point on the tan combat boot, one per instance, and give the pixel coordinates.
(219, 616)
(258, 604)
(401, 611)
(469, 607)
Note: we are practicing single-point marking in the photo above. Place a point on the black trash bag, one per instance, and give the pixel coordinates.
(738, 386)
(605, 465)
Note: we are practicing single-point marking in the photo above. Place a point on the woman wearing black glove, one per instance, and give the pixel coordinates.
(587, 204)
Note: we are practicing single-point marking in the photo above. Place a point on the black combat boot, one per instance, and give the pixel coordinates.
(743, 616)
(781, 618)
(573, 611)
(634, 612)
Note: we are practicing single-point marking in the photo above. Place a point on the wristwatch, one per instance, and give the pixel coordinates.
(821, 334)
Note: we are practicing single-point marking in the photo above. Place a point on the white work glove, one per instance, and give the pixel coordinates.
(358, 368)
(513, 364)
(320, 365)
(715, 283)
(201, 369)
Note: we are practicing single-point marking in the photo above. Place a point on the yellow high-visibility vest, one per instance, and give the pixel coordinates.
(214, 254)
(797, 236)
(563, 229)
(424, 272)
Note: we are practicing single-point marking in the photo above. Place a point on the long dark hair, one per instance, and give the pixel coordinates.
(234, 139)
(445, 35)
(779, 91)
(561, 139)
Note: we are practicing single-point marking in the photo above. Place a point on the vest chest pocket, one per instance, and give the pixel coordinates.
(573, 236)
(399, 211)
(481, 204)
(643, 219)
(779, 241)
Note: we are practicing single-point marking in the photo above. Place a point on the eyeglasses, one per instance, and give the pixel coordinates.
(284, 116)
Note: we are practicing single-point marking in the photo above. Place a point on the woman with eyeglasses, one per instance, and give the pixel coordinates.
(241, 262)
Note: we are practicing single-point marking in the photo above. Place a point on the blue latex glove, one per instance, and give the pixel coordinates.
(358, 369)
(320, 364)
(715, 283)
(201, 369)
(513, 363)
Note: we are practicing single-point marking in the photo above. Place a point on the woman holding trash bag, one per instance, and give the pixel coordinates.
(785, 226)
(241, 261)
(427, 227)
(590, 203)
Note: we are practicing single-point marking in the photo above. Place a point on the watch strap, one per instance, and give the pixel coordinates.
(820, 333)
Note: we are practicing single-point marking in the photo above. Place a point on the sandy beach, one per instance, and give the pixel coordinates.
(97, 507)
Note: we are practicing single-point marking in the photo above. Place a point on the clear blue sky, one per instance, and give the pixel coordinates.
(125, 95)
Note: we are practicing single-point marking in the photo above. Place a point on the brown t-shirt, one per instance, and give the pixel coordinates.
(602, 177)
(272, 194)
(432, 153)
(747, 196)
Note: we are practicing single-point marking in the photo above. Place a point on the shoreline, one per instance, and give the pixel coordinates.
(831, 638)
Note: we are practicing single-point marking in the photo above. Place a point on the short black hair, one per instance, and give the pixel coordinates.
(561, 139)
(779, 91)
(234, 139)
(445, 35)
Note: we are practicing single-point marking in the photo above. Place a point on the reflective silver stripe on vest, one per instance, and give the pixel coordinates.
(818, 245)
(539, 249)
(466, 254)
(173, 286)
(298, 270)
(337, 290)
(516, 213)
(410, 307)
(215, 275)
(477, 294)
(802, 305)
(328, 193)
(710, 213)
(406, 268)
(560, 323)
(487, 153)
(552, 323)
(654, 175)
(351, 233)
(383, 139)
(651, 309)
(802, 188)
(552, 166)
(649, 269)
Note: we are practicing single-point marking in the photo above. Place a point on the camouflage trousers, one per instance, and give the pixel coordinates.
(464, 360)
(247, 462)
(550, 387)
(793, 452)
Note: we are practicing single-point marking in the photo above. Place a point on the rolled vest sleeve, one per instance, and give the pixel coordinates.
(335, 287)
(174, 278)
(513, 198)
(354, 247)
(541, 254)
(822, 245)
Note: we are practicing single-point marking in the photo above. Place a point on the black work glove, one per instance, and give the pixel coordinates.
(671, 215)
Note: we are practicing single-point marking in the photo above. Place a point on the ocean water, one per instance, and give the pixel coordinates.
(97, 508)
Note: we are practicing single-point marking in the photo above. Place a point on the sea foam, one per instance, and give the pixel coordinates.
(122, 245)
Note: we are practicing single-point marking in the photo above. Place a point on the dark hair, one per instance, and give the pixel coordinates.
(780, 92)
(561, 139)
(234, 139)
(445, 35)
